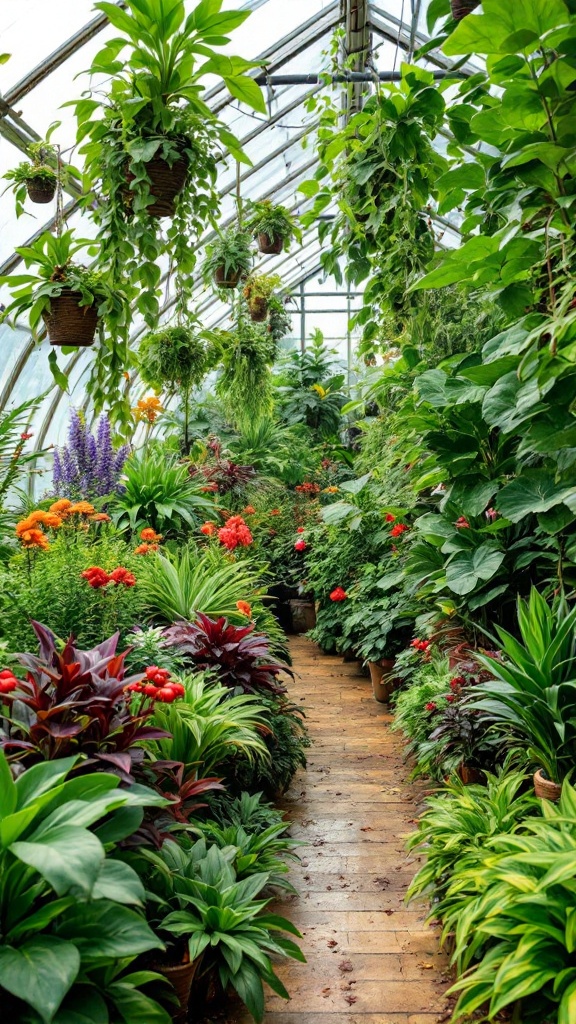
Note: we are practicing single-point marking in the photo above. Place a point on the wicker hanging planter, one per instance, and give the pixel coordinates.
(41, 190)
(545, 788)
(460, 8)
(270, 246)
(180, 977)
(227, 279)
(69, 323)
(166, 183)
(258, 310)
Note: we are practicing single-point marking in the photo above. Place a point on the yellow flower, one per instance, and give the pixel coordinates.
(330, 490)
(319, 390)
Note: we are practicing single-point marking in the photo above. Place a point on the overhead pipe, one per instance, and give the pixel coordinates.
(349, 77)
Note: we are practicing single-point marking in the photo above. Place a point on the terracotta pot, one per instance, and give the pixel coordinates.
(303, 615)
(69, 323)
(180, 977)
(41, 191)
(270, 247)
(258, 310)
(460, 8)
(470, 776)
(221, 281)
(381, 690)
(545, 788)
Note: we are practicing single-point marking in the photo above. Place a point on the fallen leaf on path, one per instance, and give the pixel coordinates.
(367, 828)
(351, 999)
(345, 966)
(331, 943)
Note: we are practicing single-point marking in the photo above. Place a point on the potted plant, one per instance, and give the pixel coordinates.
(69, 297)
(229, 259)
(37, 178)
(530, 699)
(273, 226)
(151, 144)
(257, 292)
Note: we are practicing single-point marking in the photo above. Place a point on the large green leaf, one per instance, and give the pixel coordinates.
(506, 28)
(468, 568)
(40, 972)
(118, 882)
(8, 792)
(101, 929)
(534, 491)
(65, 856)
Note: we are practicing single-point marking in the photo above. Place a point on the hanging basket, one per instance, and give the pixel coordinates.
(41, 190)
(460, 8)
(69, 323)
(545, 788)
(166, 183)
(223, 279)
(258, 310)
(270, 246)
(180, 977)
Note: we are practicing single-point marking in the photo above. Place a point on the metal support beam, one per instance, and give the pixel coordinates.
(351, 77)
(357, 46)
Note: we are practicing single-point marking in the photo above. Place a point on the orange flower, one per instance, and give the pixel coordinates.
(330, 490)
(208, 529)
(49, 519)
(149, 534)
(34, 539)
(61, 506)
(249, 510)
(244, 608)
(126, 375)
(81, 508)
(142, 549)
(275, 512)
(100, 517)
(148, 409)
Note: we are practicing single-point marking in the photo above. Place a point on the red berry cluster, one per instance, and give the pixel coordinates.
(8, 681)
(158, 685)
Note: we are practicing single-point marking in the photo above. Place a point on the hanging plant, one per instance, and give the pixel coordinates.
(71, 299)
(35, 179)
(151, 146)
(245, 385)
(279, 319)
(257, 292)
(228, 260)
(273, 226)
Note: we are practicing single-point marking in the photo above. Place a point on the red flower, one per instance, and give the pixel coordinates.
(96, 577)
(244, 608)
(210, 488)
(491, 514)
(420, 645)
(431, 706)
(158, 676)
(450, 697)
(301, 529)
(275, 512)
(208, 529)
(249, 510)
(8, 681)
(26, 437)
(300, 545)
(457, 682)
(235, 533)
(122, 575)
(462, 523)
(389, 517)
(399, 529)
(339, 594)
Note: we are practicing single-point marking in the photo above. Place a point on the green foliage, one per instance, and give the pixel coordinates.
(173, 358)
(245, 384)
(530, 700)
(265, 218)
(13, 457)
(513, 912)
(286, 742)
(48, 586)
(224, 921)
(71, 913)
(159, 493)
(231, 252)
(309, 392)
(208, 726)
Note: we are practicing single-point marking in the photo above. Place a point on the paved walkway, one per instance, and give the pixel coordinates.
(370, 960)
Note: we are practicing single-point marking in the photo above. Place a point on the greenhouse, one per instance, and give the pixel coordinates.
(288, 512)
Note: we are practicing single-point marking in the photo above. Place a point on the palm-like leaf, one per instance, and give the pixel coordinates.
(160, 493)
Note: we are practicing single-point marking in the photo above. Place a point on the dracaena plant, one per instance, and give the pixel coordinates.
(159, 492)
(155, 110)
(71, 918)
(238, 655)
(73, 700)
